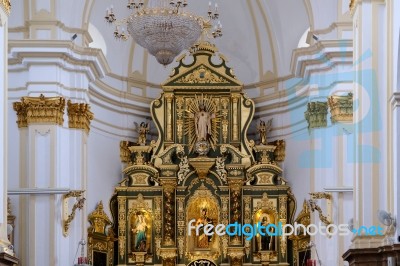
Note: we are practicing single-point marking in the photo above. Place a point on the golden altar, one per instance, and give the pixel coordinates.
(202, 170)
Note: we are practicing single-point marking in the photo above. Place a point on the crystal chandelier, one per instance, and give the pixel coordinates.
(164, 27)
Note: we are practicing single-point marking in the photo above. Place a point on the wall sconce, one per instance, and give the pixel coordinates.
(67, 218)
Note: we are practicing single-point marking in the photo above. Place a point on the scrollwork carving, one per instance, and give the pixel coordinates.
(220, 167)
(184, 169)
(67, 218)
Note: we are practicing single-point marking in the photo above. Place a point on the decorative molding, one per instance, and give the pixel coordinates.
(302, 64)
(341, 108)
(121, 226)
(40, 109)
(79, 115)
(316, 114)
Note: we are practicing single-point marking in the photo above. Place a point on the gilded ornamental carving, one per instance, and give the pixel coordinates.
(201, 171)
(341, 108)
(316, 114)
(6, 4)
(79, 115)
(40, 109)
(100, 236)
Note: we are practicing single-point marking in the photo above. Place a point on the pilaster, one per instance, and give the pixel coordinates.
(372, 177)
(6, 252)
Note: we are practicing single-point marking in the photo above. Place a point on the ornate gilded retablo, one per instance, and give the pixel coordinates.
(202, 171)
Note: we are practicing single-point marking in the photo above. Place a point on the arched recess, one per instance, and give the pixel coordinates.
(86, 14)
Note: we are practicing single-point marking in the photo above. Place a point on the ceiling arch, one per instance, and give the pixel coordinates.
(259, 36)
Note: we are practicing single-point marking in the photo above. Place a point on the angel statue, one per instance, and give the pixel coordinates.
(142, 130)
(263, 129)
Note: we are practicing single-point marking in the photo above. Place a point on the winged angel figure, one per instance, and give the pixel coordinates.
(142, 130)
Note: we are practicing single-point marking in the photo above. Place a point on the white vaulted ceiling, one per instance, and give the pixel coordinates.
(258, 41)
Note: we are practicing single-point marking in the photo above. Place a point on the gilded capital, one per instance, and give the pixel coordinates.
(352, 6)
(6, 4)
(168, 184)
(79, 115)
(316, 114)
(49, 110)
(341, 108)
(235, 184)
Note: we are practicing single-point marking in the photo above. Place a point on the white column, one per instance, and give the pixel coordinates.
(4, 243)
(394, 86)
(52, 157)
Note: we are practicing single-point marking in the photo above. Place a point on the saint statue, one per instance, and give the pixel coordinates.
(139, 232)
(202, 122)
(263, 129)
(203, 240)
(266, 240)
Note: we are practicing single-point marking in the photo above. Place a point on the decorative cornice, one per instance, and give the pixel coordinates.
(6, 4)
(341, 108)
(40, 109)
(79, 115)
(321, 56)
(316, 114)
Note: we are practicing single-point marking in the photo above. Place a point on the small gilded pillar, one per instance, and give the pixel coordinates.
(169, 97)
(235, 187)
(235, 126)
(168, 252)
(169, 185)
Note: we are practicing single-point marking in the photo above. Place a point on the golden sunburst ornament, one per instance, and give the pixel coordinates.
(202, 121)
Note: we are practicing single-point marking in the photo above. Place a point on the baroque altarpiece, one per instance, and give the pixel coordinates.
(202, 169)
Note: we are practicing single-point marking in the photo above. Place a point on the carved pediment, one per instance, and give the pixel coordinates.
(202, 72)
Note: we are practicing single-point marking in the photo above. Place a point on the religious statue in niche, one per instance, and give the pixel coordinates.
(265, 237)
(139, 232)
(263, 129)
(203, 240)
(203, 123)
(142, 129)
